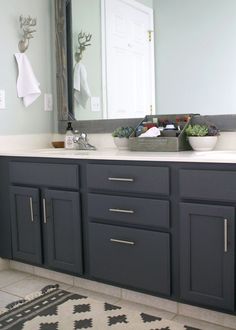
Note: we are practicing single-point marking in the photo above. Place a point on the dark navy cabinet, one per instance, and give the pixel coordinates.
(207, 254)
(26, 226)
(5, 222)
(131, 179)
(162, 228)
(46, 221)
(133, 257)
(126, 246)
(207, 227)
(62, 230)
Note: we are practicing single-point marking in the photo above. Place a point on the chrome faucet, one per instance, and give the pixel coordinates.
(82, 141)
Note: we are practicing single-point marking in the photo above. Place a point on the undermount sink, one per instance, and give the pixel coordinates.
(61, 151)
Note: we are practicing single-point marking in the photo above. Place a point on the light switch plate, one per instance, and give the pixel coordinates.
(2, 99)
(95, 104)
(48, 102)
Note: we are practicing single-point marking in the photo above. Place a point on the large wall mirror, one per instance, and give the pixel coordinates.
(119, 59)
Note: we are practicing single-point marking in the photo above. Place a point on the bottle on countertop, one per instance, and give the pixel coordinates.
(69, 137)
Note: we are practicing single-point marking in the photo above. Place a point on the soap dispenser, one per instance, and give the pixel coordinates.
(69, 137)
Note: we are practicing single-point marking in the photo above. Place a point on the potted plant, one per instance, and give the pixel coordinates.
(121, 136)
(202, 137)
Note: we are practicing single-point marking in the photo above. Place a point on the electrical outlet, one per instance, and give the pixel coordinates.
(48, 102)
(2, 99)
(95, 104)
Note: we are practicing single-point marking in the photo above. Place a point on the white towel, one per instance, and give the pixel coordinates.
(27, 84)
(81, 88)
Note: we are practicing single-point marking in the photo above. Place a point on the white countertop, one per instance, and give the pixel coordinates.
(114, 154)
(39, 145)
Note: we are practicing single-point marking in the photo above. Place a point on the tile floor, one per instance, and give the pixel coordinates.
(16, 284)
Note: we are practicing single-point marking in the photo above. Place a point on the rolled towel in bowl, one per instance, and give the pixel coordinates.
(152, 132)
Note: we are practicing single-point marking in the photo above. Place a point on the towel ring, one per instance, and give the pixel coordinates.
(83, 40)
(26, 25)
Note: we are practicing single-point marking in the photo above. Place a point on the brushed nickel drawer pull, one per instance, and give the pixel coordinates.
(44, 211)
(121, 179)
(121, 242)
(225, 235)
(121, 211)
(31, 209)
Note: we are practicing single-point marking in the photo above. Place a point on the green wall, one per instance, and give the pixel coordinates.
(196, 56)
(17, 119)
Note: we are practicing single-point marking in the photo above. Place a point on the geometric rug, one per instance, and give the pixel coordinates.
(56, 309)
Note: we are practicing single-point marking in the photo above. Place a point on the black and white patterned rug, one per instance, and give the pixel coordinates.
(56, 309)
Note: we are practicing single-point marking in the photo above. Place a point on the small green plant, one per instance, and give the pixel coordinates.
(202, 130)
(123, 132)
(196, 130)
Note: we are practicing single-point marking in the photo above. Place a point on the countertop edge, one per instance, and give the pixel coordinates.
(113, 154)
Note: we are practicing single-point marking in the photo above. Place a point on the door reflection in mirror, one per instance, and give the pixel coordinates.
(121, 52)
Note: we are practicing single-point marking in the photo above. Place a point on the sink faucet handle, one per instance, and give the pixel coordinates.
(84, 137)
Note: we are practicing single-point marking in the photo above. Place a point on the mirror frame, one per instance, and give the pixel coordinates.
(62, 60)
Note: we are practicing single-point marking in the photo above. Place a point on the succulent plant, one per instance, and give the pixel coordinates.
(213, 130)
(123, 132)
(202, 130)
(196, 130)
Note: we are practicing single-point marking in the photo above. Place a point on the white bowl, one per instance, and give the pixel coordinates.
(202, 143)
(121, 143)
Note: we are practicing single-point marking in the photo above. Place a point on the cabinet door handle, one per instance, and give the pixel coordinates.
(114, 240)
(121, 179)
(31, 209)
(225, 235)
(44, 211)
(121, 211)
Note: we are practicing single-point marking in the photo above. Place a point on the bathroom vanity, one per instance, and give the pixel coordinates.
(163, 225)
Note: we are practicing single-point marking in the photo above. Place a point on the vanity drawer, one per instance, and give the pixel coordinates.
(123, 178)
(208, 185)
(133, 257)
(129, 210)
(50, 175)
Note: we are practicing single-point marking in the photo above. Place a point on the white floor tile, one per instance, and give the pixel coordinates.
(146, 309)
(94, 295)
(97, 287)
(6, 298)
(30, 285)
(8, 277)
(4, 264)
(50, 274)
(145, 299)
(207, 315)
(198, 324)
(21, 267)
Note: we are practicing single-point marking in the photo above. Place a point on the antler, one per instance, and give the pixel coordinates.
(26, 24)
(84, 41)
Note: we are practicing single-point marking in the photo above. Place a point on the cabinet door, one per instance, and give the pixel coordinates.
(62, 229)
(132, 257)
(207, 255)
(26, 229)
